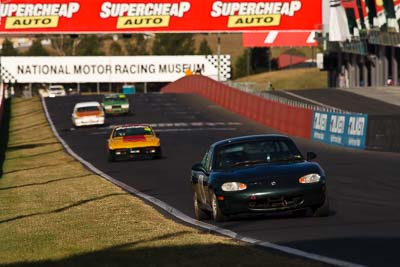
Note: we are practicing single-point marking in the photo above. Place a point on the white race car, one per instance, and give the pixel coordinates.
(87, 113)
(56, 90)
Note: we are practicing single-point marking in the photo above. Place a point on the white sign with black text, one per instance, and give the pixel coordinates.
(112, 69)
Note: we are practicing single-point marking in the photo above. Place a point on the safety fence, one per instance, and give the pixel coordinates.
(252, 88)
(330, 127)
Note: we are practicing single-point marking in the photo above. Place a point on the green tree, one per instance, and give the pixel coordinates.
(138, 47)
(36, 49)
(241, 65)
(115, 49)
(63, 44)
(204, 48)
(89, 45)
(173, 44)
(8, 49)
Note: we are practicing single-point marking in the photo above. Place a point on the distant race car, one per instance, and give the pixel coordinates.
(257, 174)
(87, 113)
(133, 141)
(56, 90)
(116, 104)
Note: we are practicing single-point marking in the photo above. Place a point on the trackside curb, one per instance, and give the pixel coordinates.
(187, 219)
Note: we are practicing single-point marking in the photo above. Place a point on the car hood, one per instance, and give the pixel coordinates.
(115, 102)
(133, 141)
(284, 174)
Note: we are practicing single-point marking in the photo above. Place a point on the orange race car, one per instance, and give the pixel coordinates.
(133, 141)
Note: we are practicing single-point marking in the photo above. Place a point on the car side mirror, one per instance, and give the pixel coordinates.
(311, 156)
(198, 167)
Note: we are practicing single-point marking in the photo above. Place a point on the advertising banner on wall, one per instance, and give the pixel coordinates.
(279, 39)
(348, 130)
(111, 69)
(113, 16)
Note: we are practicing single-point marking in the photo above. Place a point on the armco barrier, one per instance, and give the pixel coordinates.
(332, 128)
(290, 120)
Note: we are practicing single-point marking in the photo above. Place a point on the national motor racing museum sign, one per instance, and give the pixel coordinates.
(111, 69)
(100, 16)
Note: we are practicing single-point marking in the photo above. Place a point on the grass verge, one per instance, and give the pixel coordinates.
(54, 212)
(289, 79)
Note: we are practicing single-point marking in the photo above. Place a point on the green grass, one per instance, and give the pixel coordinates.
(291, 79)
(54, 212)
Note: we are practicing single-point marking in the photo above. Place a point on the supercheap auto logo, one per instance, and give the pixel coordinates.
(30, 16)
(254, 14)
(143, 15)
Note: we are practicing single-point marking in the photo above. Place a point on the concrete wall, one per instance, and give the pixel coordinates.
(290, 120)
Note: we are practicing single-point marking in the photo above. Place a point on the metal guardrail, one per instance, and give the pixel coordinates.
(253, 88)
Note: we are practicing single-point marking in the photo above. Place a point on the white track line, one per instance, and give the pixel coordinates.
(178, 214)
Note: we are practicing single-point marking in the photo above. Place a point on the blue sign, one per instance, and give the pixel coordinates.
(348, 130)
(128, 89)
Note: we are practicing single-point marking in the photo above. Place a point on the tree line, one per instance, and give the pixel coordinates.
(252, 61)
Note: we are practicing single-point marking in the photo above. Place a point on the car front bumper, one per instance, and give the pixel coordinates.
(116, 110)
(88, 121)
(131, 153)
(268, 201)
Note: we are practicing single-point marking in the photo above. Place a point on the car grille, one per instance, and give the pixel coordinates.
(282, 202)
(116, 106)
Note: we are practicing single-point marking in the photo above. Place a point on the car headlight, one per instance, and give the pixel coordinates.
(108, 107)
(310, 178)
(124, 106)
(233, 186)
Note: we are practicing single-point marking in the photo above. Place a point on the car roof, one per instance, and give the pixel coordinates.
(87, 104)
(114, 95)
(251, 138)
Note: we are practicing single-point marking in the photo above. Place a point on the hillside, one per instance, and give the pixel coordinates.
(289, 79)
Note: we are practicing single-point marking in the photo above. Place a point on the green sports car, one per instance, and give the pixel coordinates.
(115, 104)
(257, 174)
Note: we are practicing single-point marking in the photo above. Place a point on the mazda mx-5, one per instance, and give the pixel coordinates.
(257, 174)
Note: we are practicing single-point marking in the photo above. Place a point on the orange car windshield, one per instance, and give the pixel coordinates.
(121, 132)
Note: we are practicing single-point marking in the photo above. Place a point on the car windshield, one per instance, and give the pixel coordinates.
(132, 131)
(114, 98)
(88, 109)
(255, 152)
(56, 88)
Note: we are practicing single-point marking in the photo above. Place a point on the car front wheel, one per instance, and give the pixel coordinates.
(216, 211)
(111, 157)
(324, 209)
(199, 213)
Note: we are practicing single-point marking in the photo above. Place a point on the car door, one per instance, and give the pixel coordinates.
(204, 178)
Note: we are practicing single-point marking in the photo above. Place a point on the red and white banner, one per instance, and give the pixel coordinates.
(113, 16)
(279, 39)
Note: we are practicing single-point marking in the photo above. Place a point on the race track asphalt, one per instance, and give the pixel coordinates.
(363, 186)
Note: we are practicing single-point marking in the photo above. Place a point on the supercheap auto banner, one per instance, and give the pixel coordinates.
(111, 16)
